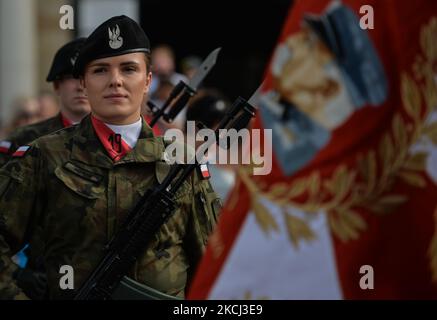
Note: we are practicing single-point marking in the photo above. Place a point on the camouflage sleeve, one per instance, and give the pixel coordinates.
(205, 208)
(4, 157)
(19, 206)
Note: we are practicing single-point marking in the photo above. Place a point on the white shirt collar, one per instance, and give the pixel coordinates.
(129, 132)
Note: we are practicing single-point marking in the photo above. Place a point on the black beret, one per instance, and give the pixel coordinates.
(114, 37)
(64, 59)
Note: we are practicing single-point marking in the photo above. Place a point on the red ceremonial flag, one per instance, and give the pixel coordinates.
(349, 210)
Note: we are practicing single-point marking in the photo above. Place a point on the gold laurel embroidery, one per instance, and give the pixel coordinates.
(265, 220)
(409, 170)
(413, 179)
(346, 223)
(387, 204)
(416, 162)
(369, 184)
(297, 228)
(410, 97)
(424, 71)
(431, 132)
(367, 170)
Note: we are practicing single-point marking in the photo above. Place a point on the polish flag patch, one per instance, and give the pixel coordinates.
(5, 146)
(204, 171)
(21, 151)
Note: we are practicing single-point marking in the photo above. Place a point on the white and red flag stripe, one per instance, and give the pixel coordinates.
(21, 151)
(204, 171)
(5, 146)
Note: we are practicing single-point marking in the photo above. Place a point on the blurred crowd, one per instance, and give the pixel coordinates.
(29, 110)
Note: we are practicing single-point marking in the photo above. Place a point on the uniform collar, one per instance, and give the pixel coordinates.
(60, 119)
(88, 149)
(65, 121)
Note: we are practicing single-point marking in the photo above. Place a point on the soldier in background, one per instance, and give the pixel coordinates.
(78, 184)
(74, 106)
(73, 102)
(48, 103)
(165, 78)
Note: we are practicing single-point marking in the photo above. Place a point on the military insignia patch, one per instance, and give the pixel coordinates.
(115, 40)
(73, 59)
(5, 146)
(21, 151)
(204, 171)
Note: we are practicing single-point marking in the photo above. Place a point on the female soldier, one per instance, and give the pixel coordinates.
(78, 184)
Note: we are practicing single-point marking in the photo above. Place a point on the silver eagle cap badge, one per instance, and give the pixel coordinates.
(115, 40)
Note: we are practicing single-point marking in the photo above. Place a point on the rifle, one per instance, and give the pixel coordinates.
(154, 208)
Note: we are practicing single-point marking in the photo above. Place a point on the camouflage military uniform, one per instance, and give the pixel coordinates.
(26, 134)
(68, 188)
(21, 136)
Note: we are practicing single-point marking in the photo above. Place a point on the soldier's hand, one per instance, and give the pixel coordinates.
(33, 283)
